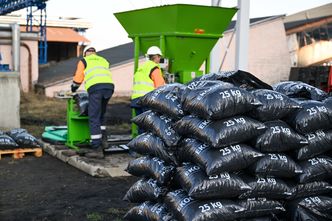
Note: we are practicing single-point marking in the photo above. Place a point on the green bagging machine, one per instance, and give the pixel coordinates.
(185, 34)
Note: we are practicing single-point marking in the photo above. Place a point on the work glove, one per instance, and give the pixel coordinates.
(74, 87)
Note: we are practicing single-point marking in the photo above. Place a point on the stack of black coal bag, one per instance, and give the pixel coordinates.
(311, 193)
(216, 153)
(158, 147)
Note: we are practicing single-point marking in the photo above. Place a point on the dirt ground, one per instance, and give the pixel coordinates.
(47, 189)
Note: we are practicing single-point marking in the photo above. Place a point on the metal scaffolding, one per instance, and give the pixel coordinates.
(8, 6)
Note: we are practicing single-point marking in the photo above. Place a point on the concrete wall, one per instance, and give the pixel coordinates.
(122, 77)
(269, 58)
(9, 100)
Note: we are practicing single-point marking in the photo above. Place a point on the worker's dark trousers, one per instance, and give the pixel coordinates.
(97, 108)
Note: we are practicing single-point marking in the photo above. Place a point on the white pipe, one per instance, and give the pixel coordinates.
(16, 46)
(215, 55)
(15, 28)
(242, 36)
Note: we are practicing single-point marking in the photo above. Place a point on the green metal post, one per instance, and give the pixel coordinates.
(207, 65)
(162, 44)
(136, 53)
(134, 128)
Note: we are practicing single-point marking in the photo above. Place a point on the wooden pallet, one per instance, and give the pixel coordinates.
(20, 153)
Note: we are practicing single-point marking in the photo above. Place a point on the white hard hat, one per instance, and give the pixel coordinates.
(88, 47)
(153, 50)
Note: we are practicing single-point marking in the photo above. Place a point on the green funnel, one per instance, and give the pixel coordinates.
(186, 34)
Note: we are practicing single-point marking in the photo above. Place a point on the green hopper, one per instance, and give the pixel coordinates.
(186, 34)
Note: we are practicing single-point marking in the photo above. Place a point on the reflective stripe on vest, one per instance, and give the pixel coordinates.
(96, 71)
(143, 84)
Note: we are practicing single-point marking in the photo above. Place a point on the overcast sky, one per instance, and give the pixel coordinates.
(107, 31)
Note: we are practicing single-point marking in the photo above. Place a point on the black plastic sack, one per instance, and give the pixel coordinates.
(214, 161)
(160, 125)
(16, 131)
(220, 133)
(197, 87)
(145, 190)
(318, 142)
(313, 116)
(271, 217)
(276, 164)
(316, 169)
(311, 189)
(200, 186)
(261, 207)
(266, 187)
(279, 137)
(328, 102)
(218, 102)
(315, 208)
(213, 76)
(165, 100)
(185, 208)
(244, 80)
(149, 211)
(150, 144)
(274, 105)
(24, 139)
(82, 103)
(151, 168)
(298, 89)
(6, 142)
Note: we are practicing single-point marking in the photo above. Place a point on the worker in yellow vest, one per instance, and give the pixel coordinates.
(147, 77)
(94, 70)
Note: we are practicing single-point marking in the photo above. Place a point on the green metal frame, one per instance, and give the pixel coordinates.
(77, 126)
(185, 34)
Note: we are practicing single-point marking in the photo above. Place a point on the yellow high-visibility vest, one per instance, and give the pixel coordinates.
(97, 71)
(142, 81)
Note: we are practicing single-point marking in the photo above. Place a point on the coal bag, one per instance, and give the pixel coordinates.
(185, 208)
(82, 103)
(274, 105)
(26, 140)
(160, 125)
(261, 207)
(16, 131)
(145, 190)
(328, 102)
(311, 189)
(279, 137)
(165, 100)
(316, 169)
(197, 87)
(151, 168)
(266, 187)
(244, 80)
(149, 211)
(6, 142)
(298, 89)
(218, 76)
(276, 164)
(200, 186)
(220, 133)
(214, 161)
(313, 116)
(218, 102)
(318, 142)
(150, 144)
(314, 208)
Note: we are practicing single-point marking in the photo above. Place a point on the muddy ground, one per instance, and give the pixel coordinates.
(46, 189)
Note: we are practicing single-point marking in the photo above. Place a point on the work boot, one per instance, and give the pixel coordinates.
(104, 138)
(97, 153)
